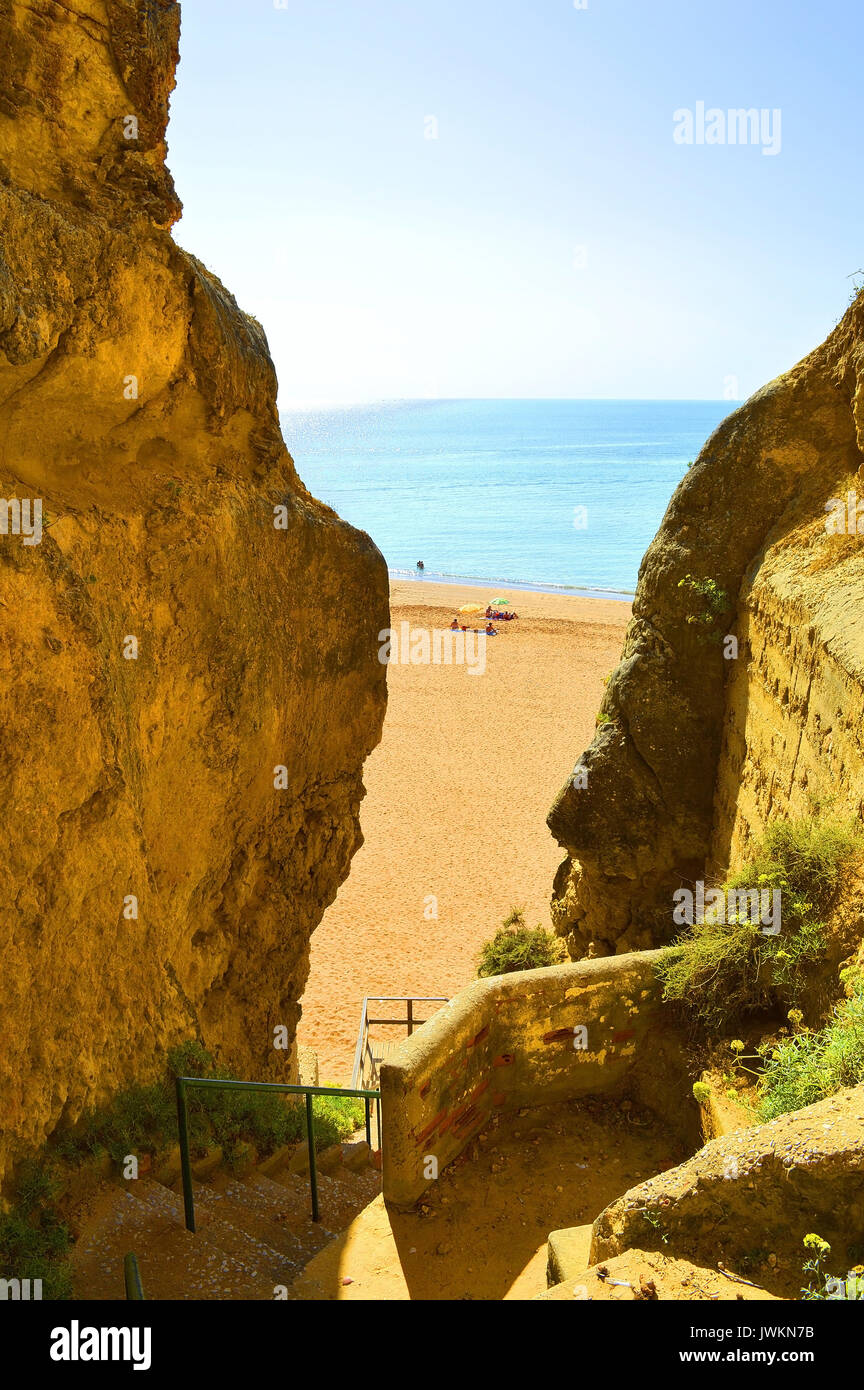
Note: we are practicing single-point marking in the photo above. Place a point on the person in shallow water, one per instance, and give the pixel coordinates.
(420, 565)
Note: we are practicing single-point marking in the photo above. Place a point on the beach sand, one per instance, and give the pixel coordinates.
(457, 796)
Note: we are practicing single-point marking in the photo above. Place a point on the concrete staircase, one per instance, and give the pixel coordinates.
(254, 1234)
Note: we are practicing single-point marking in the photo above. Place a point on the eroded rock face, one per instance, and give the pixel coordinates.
(696, 750)
(758, 1190)
(138, 404)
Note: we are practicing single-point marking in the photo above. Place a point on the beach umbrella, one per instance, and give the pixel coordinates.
(500, 603)
(472, 608)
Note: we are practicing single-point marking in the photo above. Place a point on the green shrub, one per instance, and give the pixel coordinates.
(812, 853)
(712, 972)
(140, 1120)
(517, 947)
(336, 1118)
(143, 1119)
(812, 1066)
(720, 972)
(34, 1242)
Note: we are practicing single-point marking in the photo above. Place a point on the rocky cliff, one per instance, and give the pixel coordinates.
(702, 739)
(189, 681)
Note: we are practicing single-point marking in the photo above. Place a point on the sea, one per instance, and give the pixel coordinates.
(554, 495)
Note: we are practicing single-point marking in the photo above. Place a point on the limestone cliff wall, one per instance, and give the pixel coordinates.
(138, 404)
(696, 751)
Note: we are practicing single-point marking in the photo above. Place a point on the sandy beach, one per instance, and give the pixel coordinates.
(457, 796)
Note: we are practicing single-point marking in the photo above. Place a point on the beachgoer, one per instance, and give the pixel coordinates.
(490, 631)
(420, 565)
(454, 626)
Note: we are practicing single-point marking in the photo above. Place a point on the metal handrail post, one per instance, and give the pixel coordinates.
(313, 1173)
(185, 1164)
(132, 1279)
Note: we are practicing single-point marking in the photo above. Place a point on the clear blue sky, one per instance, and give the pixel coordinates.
(384, 264)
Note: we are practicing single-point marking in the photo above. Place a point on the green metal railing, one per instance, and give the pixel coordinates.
(132, 1277)
(199, 1083)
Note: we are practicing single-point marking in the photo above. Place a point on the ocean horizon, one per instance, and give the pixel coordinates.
(549, 495)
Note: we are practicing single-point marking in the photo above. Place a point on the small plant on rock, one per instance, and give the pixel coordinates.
(721, 972)
(815, 1266)
(713, 601)
(518, 947)
(656, 1224)
(810, 1066)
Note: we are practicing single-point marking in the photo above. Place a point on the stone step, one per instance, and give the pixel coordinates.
(253, 1235)
(568, 1253)
(221, 1211)
(276, 1199)
(174, 1263)
(249, 1229)
(269, 1266)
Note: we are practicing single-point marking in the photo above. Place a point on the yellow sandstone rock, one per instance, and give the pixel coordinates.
(740, 694)
(189, 681)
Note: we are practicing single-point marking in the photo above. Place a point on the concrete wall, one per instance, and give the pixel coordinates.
(508, 1042)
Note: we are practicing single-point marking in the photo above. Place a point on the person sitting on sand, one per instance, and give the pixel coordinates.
(454, 626)
(490, 631)
(489, 611)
